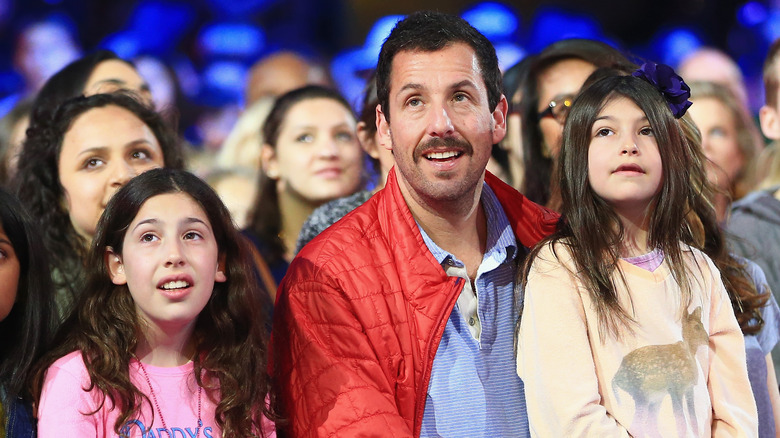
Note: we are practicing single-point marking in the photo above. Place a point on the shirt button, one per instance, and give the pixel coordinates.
(472, 321)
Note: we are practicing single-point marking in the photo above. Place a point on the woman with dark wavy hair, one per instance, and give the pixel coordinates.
(26, 313)
(73, 162)
(169, 334)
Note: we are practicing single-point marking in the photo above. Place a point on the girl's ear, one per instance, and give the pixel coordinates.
(221, 277)
(115, 267)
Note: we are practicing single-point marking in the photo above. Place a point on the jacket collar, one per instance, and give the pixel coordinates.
(530, 222)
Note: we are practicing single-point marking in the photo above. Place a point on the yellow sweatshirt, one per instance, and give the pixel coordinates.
(675, 375)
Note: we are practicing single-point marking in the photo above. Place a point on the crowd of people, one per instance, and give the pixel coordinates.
(583, 245)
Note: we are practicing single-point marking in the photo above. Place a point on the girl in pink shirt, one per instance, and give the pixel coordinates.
(169, 337)
(626, 330)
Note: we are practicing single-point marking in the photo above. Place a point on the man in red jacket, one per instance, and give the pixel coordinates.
(398, 320)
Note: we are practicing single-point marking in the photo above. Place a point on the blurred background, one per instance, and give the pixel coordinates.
(197, 54)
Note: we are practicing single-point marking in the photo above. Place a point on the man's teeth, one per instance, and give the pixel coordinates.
(441, 155)
(175, 284)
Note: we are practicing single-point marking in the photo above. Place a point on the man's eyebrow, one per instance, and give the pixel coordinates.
(464, 84)
(411, 86)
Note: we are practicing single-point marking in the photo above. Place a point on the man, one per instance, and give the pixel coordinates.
(755, 219)
(399, 319)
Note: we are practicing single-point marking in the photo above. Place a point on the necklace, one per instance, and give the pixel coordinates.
(157, 405)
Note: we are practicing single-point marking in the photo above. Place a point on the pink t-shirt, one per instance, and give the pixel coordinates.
(64, 408)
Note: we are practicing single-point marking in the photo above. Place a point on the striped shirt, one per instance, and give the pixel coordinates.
(474, 390)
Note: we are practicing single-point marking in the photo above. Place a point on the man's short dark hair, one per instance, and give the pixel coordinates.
(429, 32)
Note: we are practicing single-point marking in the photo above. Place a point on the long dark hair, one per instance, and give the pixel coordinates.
(266, 217)
(37, 181)
(539, 168)
(26, 331)
(590, 228)
(229, 334)
(709, 237)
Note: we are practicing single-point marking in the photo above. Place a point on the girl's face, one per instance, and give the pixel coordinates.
(9, 274)
(624, 164)
(101, 151)
(317, 155)
(169, 261)
(719, 140)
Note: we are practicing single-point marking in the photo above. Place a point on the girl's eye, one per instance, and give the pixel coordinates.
(646, 131)
(603, 132)
(148, 237)
(304, 138)
(192, 235)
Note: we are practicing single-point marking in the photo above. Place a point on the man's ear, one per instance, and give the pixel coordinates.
(116, 268)
(270, 163)
(383, 129)
(769, 119)
(221, 275)
(499, 120)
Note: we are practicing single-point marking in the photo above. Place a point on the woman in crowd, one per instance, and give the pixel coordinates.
(74, 161)
(26, 314)
(381, 159)
(99, 72)
(311, 156)
(728, 138)
(555, 78)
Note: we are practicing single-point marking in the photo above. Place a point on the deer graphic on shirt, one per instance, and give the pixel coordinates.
(651, 372)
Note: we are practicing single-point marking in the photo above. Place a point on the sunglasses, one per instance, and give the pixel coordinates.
(558, 109)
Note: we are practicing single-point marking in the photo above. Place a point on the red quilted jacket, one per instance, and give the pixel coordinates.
(360, 314)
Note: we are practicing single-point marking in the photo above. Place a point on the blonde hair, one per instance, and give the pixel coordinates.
(748, 137)
(243, 145)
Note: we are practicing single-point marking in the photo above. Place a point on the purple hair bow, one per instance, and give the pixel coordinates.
(670, 84)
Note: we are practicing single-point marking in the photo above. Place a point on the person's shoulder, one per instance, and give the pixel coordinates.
(73, 362)
(554, 255)
(758, 199)
(353, 237)
(68, 368)
(327, 214)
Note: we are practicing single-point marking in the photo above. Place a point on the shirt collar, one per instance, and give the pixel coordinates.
(501, 240)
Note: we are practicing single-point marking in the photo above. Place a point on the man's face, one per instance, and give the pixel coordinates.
(442, 128)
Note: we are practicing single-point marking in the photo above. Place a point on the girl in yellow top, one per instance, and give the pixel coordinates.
(625, 330)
